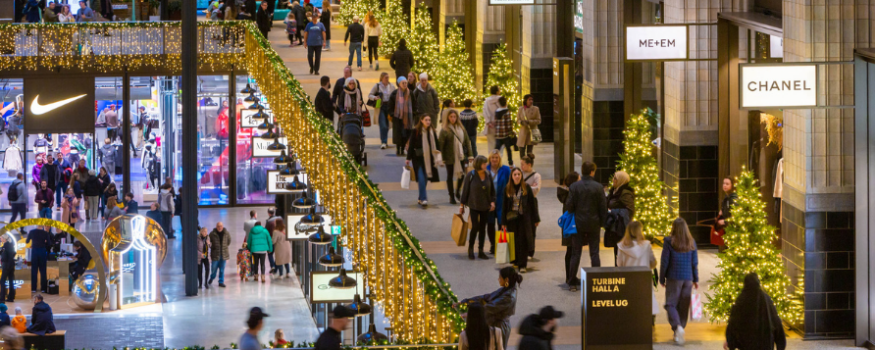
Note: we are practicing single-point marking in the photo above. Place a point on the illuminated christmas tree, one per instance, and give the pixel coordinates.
(422, 42)
(453, 75)
(749, 249)
(395, 24)
(651, 204)
(501, 74)
(351, 8)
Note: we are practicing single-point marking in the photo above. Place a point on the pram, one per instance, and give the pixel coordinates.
(353, 136)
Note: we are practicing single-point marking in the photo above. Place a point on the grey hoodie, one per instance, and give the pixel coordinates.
(107, 158)
(639, 254)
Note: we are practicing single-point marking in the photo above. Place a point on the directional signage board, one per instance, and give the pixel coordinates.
(656, 43)
(616, 305)
(780, 85)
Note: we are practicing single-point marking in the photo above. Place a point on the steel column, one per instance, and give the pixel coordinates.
(126, 133)
(189, 145)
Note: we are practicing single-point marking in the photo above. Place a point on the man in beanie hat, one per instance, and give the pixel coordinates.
(425, 100)
(255, 322)
(537, 329)
(330, 338)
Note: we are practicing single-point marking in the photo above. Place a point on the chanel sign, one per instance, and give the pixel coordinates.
(656, 43)
(778, 85)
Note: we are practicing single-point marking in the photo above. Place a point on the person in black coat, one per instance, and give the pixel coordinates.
(7, 259)
(754, 322)
(42, 321)
(337, 93)
(537, 329)
(250, 9)
(326, 21)
(587, 201)
(323, 100)
(520, 216)
(300, 20)
(83, 258)
(421, 155)
(263, 19)
(402, 60)
(562, 193)
(620, 197)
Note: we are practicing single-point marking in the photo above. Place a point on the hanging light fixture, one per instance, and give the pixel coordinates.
(290, 169)
(276, 145)
(255, 105)
(342, 281)
(260, 114)
(269, 134)
(251, 98)
(248, 89)
(372, 334)
(332, 259)
(265, 125)
(304, 202)
(320, 237)
(283, 158)
(361, 308)
(296, 185)
(312, 218)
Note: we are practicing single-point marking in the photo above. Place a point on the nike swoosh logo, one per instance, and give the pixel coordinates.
(38, 109)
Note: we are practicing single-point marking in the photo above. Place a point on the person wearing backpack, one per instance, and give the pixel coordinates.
(17, 198)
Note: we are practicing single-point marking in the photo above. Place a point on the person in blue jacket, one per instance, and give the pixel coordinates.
(500, 175)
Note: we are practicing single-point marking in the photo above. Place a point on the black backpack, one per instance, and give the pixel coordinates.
(13, 194)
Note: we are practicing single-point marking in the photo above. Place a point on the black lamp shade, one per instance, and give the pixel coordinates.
(247, 90)
(290, 169)
(251, 97)
(276, 145)
(312, 218)
(255, 105)
(372, 335)
(361, 308)
(332, 259)
(304, 202)
(269, 135)
(260, 114)
(342, 281)
(296, 185)
(265, 125)
(283, 158)
(320, 237)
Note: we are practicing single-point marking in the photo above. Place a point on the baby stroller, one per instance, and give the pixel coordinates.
(353, 136)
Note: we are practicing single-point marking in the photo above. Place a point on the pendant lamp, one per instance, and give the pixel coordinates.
(332, 259)
(372, 335)
(312, 218)
(361, 308)
(304, 202)
(247, 90)
(276, 145)
(260, 114)
(290, 169)
(269, 134)
(283, 158)
(255, 105)
(296, 185)
(251, 98)
(342, 281)
(320, 237)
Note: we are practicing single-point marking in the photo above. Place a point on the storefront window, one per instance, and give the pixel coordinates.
(213, 131)
(108, 128)
(251, 171)
(12, 152)
(147, 175)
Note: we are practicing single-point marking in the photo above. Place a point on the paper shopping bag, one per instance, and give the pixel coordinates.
(501, 255)
(696, 306)
(412, 173)
(405, 178)
(460, 230)
(511, 246)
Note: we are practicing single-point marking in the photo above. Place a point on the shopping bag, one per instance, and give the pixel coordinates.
(460, 230)
(405, 178)
(536, 135)
(501, 255)
(696, 306)
(511, 246)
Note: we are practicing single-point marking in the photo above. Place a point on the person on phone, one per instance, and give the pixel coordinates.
(678, 275)
(478, 194)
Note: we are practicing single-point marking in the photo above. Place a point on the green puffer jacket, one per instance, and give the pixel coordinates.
(259, 240)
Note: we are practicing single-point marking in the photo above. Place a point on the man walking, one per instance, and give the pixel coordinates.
(40, 241)
(355, 33)
(17, 198)
(220, 241)
(92, 195)
(137, 122)
(425, 100)
(330, 339)
(44, 199)
(504, 129)
(490, 105)
(7, 258)
(314, 39)
(587, 201)
(51, 173)
(323, 99)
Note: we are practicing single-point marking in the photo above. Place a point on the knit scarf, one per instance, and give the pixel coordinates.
(427, 139)
(351, 101)
(458, 150)
(403, 107)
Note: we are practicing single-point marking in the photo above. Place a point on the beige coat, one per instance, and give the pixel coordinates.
(282, 249)
(528, 118)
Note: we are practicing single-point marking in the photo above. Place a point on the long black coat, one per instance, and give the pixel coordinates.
(326, 20)
(523, 227)
(402, 62)
(263, 20)
(533, 336)
(42, 320)
(587, 201)
(414, 143)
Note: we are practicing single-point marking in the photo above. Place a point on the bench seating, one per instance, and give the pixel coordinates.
(54, 341)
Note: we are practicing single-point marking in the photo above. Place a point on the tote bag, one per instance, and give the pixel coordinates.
(459, 230)
(405, 178)
(501, 254)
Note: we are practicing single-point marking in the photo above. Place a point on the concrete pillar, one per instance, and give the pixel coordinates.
(474, 19)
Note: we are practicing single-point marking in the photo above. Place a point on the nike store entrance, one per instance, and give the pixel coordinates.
(133, 131)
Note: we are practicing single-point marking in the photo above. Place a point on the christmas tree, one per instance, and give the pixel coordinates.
(352, 8)
(395, 25)
(501, 74)
(453, 74)
(651, 205)
(422, 42)
(749, 248)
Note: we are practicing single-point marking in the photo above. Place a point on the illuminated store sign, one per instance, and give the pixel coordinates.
(776, 46)
(657, 43)
(578, 16)
(276, 183)
(778, 85)
(297, 230)
(511, 2)
(260, 147)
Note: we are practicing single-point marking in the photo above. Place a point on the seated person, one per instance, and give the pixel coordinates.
(4, 317)
(83, 258)
(19, 322)
(42, 321)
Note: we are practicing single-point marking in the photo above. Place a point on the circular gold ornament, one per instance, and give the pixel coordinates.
(153, 234)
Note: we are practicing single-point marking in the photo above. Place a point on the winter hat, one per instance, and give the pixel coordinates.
(424, 75)
(3, 308)
(400, 79)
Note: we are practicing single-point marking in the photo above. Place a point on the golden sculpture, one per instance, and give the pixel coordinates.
(112, 236)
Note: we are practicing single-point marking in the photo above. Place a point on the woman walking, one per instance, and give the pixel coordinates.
(259, 243)
(325, 19)
(478, 334)
(282, 249)
(424, 147)
(621, 197)
(105, 182)
(351, 100)
(456, 152)
(373, 30)
(382, 92)
(529, 117)
(470, 121)
(725, 213)
(401, 110)
(70, 208)
(112, 210)
(478, 194)
(533, 179)
(500, 175)
(562, 194)
(678, 275)
(635, 250)
(754, 322)
(520, 216)
(500, 305)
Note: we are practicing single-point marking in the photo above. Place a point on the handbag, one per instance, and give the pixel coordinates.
(513, 215)
(366, 118)
(373, 103)
(536, 135)
(501, 254)
(459, 230)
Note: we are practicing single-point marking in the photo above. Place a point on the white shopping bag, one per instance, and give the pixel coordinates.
(405, 178)
(501, 254)
(696, 306)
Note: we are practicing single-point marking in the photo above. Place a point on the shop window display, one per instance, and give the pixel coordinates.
(251, 171)
(147, 172)
(12, 151)
(214, 176)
